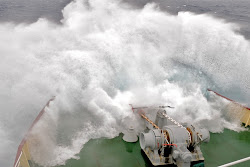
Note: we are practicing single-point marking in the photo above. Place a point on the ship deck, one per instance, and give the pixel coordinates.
(223, 148)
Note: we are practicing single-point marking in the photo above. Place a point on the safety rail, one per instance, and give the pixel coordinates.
(23, 157)
(245, 117)
(235, 162)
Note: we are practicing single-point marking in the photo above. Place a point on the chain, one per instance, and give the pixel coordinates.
(178, 124)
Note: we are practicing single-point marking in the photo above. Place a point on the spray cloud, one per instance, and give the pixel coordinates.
(103, 57)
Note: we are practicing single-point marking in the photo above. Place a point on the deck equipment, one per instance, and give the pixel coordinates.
(167, 142)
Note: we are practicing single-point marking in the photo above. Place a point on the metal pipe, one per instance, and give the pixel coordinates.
(235, 162)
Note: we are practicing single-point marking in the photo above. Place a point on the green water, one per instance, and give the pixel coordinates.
(223, 148)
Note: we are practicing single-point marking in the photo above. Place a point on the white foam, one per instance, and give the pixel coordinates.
(103, 57)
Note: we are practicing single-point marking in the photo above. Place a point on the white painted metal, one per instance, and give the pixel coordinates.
(235, 162)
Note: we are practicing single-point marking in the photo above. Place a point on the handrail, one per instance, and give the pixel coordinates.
(23, 145)
(236, 162)
(229, 99)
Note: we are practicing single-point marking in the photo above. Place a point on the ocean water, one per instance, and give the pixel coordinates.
(99, 56)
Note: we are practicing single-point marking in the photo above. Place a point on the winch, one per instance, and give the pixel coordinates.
(167, 142)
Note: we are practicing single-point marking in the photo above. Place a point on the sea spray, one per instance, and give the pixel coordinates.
(104, 57)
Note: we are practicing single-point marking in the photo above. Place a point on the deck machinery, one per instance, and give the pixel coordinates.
(167, 142)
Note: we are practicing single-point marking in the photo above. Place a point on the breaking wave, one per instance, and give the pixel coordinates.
(103, 57)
